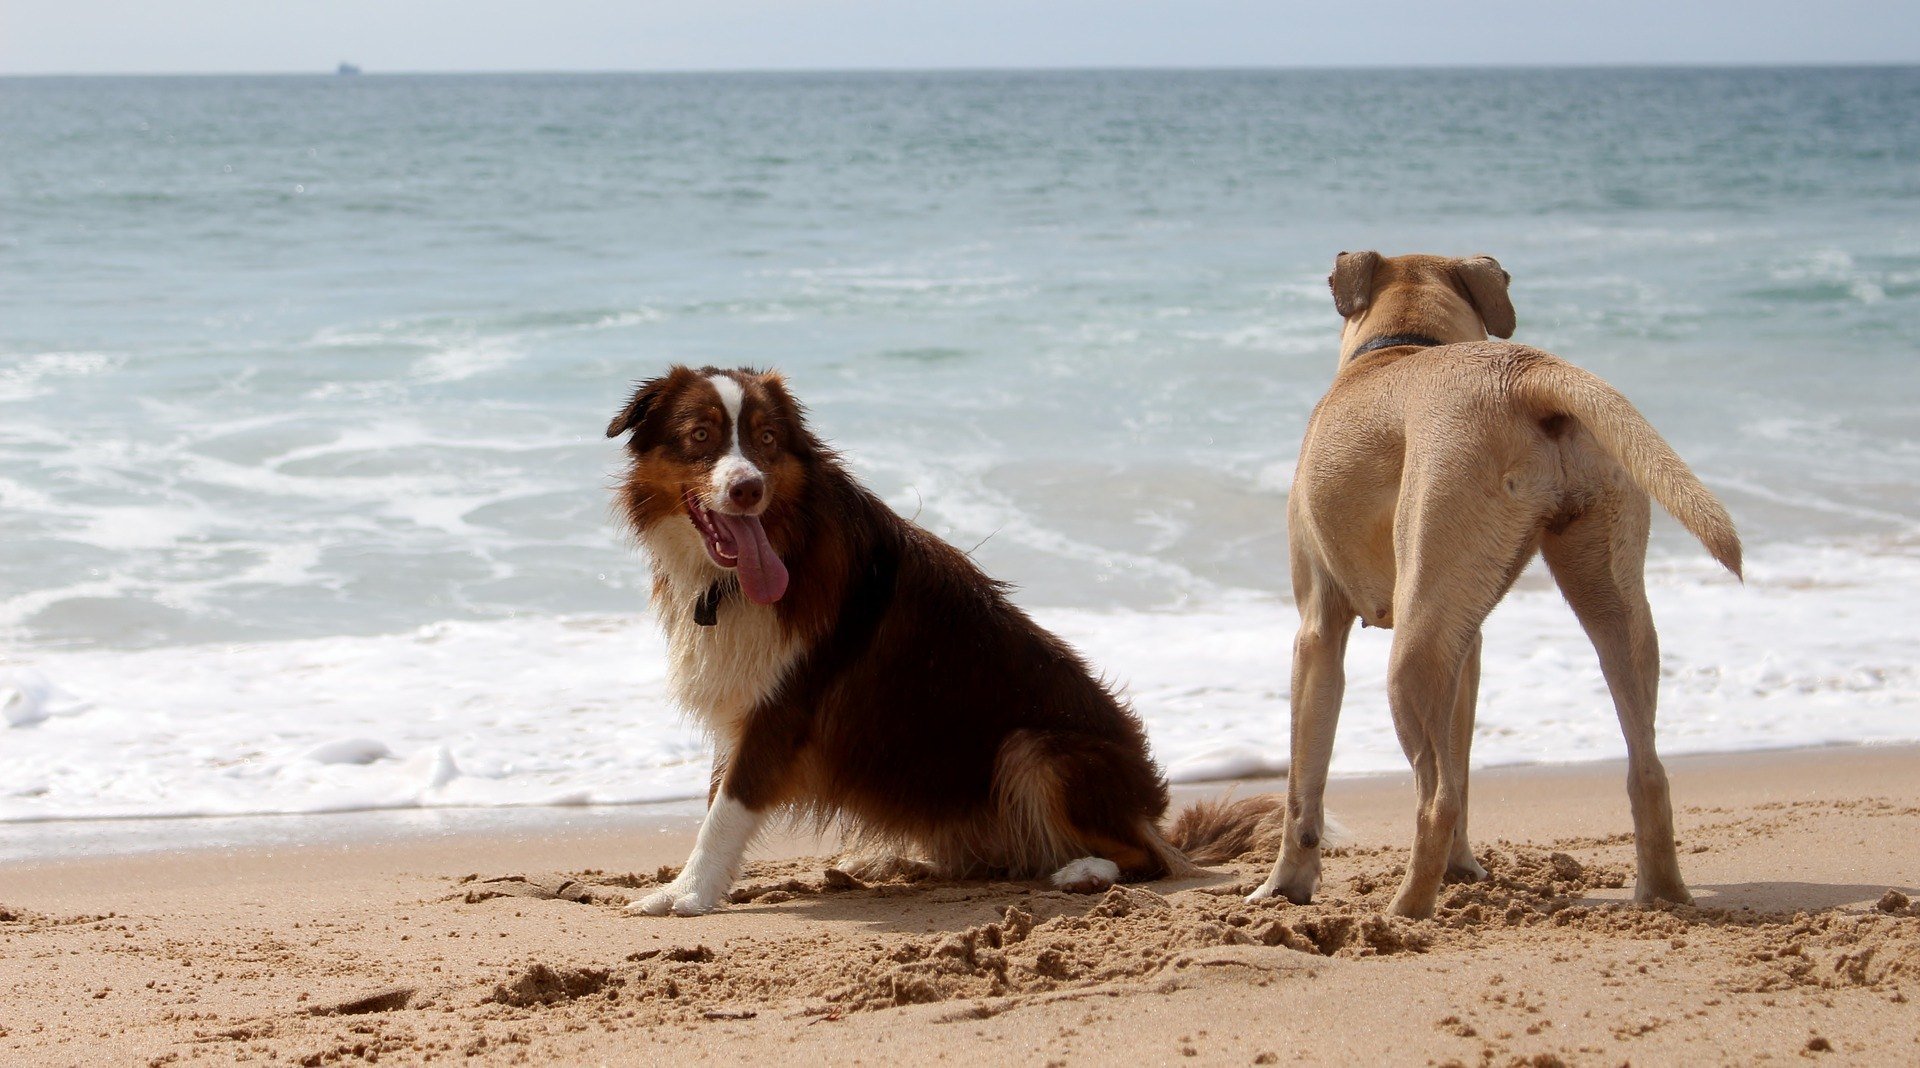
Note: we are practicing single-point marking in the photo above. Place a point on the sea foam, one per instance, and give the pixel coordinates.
(1815, 648)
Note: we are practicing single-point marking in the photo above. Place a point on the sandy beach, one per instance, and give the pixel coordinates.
(510, 947)
(336, 721)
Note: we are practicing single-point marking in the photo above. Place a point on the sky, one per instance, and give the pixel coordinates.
(226, 36)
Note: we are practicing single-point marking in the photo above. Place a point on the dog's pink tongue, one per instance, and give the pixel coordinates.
(763, 577)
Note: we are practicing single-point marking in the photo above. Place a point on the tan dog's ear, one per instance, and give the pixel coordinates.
(1352, 282)
(1487, 284)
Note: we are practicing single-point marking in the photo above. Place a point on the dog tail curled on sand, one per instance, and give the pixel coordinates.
(1220, 830)
(1551, 388)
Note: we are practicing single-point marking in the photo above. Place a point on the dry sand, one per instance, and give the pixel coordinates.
(511, 949)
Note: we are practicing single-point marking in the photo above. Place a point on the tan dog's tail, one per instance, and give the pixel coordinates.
(1552, 387)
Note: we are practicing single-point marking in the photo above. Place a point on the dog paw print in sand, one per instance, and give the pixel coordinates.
(764, 883)
(390, 999)
(544, 888)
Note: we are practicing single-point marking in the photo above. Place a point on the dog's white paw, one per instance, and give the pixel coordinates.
(678, 900)
(695, 904)
(1088, 875)
(1264, 892)
(658, 903)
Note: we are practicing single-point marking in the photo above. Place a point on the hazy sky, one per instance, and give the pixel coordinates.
(114, 36)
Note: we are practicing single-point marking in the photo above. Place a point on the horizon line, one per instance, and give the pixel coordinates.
(980, 69)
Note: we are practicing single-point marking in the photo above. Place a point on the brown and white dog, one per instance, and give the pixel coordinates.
(1433, 470)
(854, 668)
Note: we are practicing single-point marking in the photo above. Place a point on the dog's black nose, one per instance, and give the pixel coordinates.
(747, 492)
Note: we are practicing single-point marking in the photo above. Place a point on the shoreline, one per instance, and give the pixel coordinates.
(1798, 943)
(122, 837)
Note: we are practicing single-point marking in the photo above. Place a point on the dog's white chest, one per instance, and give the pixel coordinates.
(719, 673)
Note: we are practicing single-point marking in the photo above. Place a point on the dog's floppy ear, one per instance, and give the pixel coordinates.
(1352, 282)
(645, 396)
(1486, 283)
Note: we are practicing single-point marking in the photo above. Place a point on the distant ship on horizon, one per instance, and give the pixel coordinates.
(347, 68)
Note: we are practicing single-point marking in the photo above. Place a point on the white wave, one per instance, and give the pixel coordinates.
(897, 277)
(129, 527)
(24, 377)
(1277, 338)
(457, 363)
(24, 499)
(285, 564)
(22, 606)
(629, 317)
(955, 496)
(271, 480)
(1807, 498)
(1816, 648)
(28, 698)
(1832, 265)
(1637, 236)
(447, 512)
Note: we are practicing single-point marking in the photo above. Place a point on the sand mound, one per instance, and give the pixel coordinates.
(1825, 950)
(1042, 942)
(1129, 933)
(540, 984)
(31, 919)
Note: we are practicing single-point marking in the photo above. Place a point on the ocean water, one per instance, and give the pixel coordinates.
(304, 495)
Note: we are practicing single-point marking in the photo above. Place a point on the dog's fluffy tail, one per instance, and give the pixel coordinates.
(1214, 832)
(1178, 865)
(1553, 387)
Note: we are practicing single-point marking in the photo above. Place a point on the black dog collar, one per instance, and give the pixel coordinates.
(1390, 341)
(706, 608)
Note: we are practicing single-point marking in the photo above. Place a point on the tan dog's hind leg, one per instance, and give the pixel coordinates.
(1461, 864)
(1422, 679)
(1319, 684)
(1458, 547)
(1598, 563)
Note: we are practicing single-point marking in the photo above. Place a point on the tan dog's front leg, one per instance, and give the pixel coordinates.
(1319, 684)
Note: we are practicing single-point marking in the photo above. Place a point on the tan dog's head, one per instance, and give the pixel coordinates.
(719, 458)
(1436, 297)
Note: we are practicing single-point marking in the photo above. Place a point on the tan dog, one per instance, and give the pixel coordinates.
(1434, 468)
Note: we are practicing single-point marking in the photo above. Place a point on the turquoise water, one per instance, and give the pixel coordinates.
(297, 356)
(296, 360)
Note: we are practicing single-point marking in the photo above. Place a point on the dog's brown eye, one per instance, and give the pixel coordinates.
(699, 434)
(766, 437)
